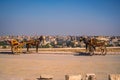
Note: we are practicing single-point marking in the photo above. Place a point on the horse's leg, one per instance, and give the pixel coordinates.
(94, 48)
(15, 49)
(12, 48)
(91, 50)
(27, 45)
(37, 48)
(18, 50)
(86, 46)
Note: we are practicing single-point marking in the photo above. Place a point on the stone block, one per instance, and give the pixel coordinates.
(114, 77)
(46, 77)
(73, 77)
(90, 77)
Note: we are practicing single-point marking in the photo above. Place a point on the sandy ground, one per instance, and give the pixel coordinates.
(31, 66)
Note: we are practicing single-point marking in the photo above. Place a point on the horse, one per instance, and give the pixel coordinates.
(92, 43)
(35, 42)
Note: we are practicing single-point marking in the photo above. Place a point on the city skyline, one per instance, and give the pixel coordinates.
(60, 17)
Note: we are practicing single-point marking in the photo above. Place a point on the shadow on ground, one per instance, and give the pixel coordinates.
(6, 52)
(82, 54)
(15, 53)
(11, 53)
(44, 79)
(86, 54)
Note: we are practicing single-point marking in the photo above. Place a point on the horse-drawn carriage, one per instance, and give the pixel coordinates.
(16, 46)
(93, 44)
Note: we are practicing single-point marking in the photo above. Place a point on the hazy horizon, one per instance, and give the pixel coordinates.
(60, 17)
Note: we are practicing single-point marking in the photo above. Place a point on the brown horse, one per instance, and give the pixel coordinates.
(92, 43)
(34, 43)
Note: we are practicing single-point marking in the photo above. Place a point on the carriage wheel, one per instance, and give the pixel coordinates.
(103, 50)
(16, 49)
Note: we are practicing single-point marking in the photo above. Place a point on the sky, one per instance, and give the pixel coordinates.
(60, 17)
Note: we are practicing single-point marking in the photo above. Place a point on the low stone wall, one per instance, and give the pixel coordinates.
(90, 76)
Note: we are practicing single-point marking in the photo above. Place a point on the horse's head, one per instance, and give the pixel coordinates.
(82, 39)
(8, 41)
(41, 38)
(86, 40)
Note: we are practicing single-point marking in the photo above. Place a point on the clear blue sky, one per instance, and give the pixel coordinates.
(60, 17)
